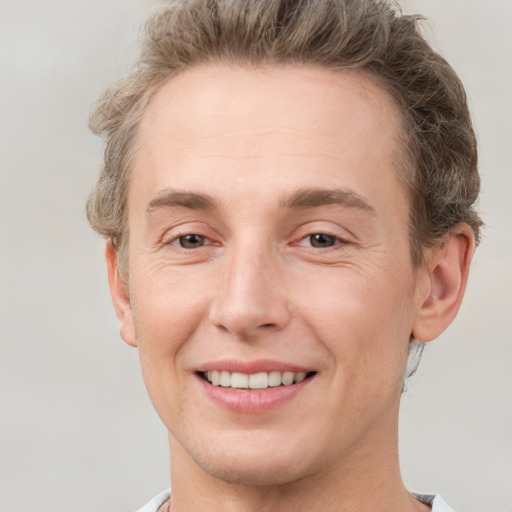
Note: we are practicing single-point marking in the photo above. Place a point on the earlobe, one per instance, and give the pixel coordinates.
(448, 270)
(120, 297)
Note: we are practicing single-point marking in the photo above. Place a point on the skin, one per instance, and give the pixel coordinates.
(252, 140)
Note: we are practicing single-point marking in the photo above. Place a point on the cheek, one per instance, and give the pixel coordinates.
(364, 322)
(167, 311)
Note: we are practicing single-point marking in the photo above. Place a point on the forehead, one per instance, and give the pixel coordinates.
(286, 123)
(268, 95)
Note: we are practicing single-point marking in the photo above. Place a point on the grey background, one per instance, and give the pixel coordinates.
(77, 432)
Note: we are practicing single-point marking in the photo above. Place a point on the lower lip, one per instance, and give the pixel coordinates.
(253, 401)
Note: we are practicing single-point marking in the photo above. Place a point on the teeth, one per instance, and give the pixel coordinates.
(299, 377)
(258, 380)
(239, 380)
(287, 378)
(225, 379)
(274, 379)
(261, 380)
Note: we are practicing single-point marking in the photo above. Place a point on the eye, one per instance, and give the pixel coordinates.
(191, 241)
(322, 240)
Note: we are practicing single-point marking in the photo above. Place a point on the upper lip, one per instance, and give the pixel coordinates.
(250, 367)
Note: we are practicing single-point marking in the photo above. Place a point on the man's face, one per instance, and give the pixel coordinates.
(268, 237)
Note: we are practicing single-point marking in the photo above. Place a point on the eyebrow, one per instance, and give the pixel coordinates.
(304, 198)
(311, 198)
(172, 197)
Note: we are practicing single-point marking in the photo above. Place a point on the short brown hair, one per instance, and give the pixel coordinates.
(371, 36)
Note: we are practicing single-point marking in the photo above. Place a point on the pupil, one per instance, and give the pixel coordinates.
(191, 241)
(321, 240)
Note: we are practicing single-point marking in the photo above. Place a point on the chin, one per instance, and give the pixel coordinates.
(271, 473)
(254, 463)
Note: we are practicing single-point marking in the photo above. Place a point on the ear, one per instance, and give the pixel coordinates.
(120, 296)
(448, 270)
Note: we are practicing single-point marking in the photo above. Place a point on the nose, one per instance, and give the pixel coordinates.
(251, 299)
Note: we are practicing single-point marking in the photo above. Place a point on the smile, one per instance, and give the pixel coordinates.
(248, 381)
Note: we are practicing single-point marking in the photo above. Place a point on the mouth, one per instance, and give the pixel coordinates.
(254, 381)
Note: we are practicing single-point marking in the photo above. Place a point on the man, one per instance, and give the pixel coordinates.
(287, 199)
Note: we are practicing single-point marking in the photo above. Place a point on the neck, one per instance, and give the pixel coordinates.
(366, 480)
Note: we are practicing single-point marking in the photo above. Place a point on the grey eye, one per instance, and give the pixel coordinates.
(321, 240)
(191, 241)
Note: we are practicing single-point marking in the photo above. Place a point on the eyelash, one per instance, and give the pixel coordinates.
(333, 239)
(179, 239)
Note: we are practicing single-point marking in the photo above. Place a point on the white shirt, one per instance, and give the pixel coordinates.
(436, 502)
